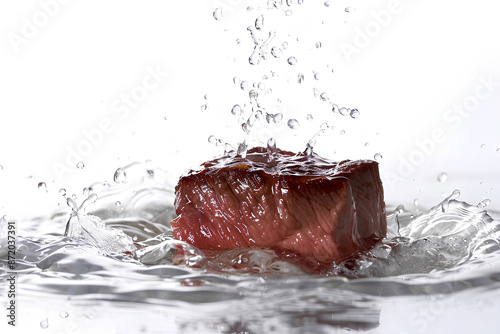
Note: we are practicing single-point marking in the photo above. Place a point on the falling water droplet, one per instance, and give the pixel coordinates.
(318, 45)
(118, 203)
(62, 191)
(259, 22)
(377, 156)
(349, 9)
(236, 110)
(120, 176)
(64, 314)
(343, 111)
(300, 78)
(309, 117)
(483, 145)
(324, 97)
(212, 139)
(218, 14)
(442, 177)
(284, 45)
(1, 168)
(293, 123)
(276, 52)
(342, 132)
(327, 3)
(354, 113)
(243, 85)
(42, 186)
(292, 61)
(80, 165)
(317, 75)
(44, 323)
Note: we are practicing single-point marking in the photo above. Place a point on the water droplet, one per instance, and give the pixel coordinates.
(72, 204)
(442, 177)
(483, 145)
(324, 97)
(236, 80)
(44, 323)
(343, 111)
(300, 78)
(204, 107)
(327, 3)
(293, 123)
(292, 61)
(80, 165)
(242, 149)
(377, 156)
(64, 314)
(165, 118)
(73, 197)
(120, 176)
(212, 139)
(236, 110)
(349, 9)
(276, 52)
(135, 238)
(118, 203)
(42, 186)
(367, 144)
(446, 202)
(1, 168)
(259, 22)
(342, 132)
(335, 108)
(354, 113)
(288, 12)
(243, 85)
(253, 95)
(484, 203)
(415, 202)
(284, 45)
(318, 45)
(218, 14)
(317, 75)
(62, 191)
(309, 117)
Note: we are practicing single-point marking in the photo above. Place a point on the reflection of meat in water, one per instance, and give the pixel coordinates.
(310, 207)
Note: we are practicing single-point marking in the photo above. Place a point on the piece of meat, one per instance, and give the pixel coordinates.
(322, 211)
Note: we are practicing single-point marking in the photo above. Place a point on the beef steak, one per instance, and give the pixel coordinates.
(320, 210)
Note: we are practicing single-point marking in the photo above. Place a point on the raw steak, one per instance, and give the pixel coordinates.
(322, 211)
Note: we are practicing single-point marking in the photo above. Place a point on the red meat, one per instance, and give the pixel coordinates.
(319, 210)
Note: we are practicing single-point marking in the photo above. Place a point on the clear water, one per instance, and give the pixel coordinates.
(121, 261)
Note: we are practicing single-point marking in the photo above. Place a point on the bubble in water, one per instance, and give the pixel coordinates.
(259, 22)
(42, 186)
(343, 111)
(44, 323)
(354, 113)
(62, 191)
(442, 177)
(292, 61)
(80, 165)
(120, 176)
(377, 156)
(64, 314)
(300, 78)
(236, 110)
(218, 14)
(293, 123)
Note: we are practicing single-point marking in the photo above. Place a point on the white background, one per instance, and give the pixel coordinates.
(62, 79)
